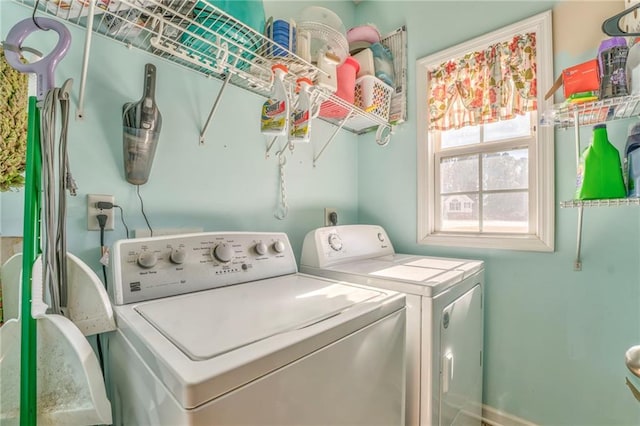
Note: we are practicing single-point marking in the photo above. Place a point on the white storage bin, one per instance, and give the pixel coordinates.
(374, 96)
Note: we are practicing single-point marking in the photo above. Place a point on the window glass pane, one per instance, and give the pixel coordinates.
(505, 170)
(459, 174)
(506, 212)
(460, 137)
(460, 213)
(520, 126)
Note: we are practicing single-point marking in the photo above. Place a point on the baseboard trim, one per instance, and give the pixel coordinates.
(494, 417)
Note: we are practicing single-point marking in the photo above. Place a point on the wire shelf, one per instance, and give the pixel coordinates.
(613, 202)
(564, 115)
(202, 38)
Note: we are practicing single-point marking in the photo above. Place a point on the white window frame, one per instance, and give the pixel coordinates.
(541, 154)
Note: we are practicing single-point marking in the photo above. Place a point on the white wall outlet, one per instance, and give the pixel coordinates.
(330, 216)
(93, 211)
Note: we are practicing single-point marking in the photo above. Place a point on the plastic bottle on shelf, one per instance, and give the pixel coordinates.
(633, 67)
(631, 161)
(600, 170)
(274, 119)
(301, 115)
(612, 59)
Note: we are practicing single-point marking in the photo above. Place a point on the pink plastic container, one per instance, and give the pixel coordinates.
(346, 79)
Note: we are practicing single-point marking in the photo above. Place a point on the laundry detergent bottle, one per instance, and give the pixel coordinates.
(275, 111)
(600, 170)
(301, 115)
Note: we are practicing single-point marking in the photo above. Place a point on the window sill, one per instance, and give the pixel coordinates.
(502, 242)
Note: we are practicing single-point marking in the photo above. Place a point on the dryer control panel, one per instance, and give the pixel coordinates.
(324, 247)
(151, 268)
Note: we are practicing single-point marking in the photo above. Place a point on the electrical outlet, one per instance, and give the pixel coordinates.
(330, 216)
(93, 212)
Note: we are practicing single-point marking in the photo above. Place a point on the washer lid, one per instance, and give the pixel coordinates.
(207, 324)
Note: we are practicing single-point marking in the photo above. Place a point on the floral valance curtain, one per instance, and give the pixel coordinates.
(485, 86)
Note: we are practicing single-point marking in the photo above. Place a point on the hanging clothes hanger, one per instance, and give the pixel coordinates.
(611, 26)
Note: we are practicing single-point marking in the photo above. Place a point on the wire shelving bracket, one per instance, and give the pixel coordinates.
(567, 115)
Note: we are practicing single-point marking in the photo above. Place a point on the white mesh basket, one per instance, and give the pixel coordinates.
(373, 95)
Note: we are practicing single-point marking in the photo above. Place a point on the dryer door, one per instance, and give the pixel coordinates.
(461, 339)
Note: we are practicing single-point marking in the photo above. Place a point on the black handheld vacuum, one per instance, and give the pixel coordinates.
(141, 123)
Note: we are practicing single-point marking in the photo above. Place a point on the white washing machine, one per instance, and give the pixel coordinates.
(220, 328)
(444, 316)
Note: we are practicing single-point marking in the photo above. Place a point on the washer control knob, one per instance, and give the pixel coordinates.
(381, 237)
(178, 255)
(260, 248)
(147, 259)
(335, 242)
(223, 253)
(278, 246)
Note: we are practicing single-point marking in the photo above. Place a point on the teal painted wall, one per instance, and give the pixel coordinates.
(555, 338)
(227, 184)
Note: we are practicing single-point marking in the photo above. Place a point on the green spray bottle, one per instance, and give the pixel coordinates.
(600, 169)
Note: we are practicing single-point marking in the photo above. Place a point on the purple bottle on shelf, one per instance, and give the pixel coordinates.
(612, 59)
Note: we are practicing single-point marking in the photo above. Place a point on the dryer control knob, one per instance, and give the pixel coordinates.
(223, 253)
(278, 246)
(381, 237)
(335, 242)
(260, 248)
(147, 259)
(178, 255)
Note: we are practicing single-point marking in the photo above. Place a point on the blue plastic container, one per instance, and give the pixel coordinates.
(231, 25)
(283, 33)
(383, 63)
(632, 161)
(249, 12)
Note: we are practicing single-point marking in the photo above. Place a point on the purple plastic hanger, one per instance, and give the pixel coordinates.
(44, 67)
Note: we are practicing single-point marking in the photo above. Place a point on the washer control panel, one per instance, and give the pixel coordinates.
(156, 267)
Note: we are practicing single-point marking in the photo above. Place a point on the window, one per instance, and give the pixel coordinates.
(485, 169)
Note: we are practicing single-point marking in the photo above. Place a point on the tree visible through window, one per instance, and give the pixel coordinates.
(485, 174)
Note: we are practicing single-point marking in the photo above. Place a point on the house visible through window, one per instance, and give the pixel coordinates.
(485, 168)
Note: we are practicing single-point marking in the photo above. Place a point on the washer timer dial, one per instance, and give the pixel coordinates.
(223, 253)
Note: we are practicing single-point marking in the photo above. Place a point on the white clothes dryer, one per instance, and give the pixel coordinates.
(220, 328)
(444, 316)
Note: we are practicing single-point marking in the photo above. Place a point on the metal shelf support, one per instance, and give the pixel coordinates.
(577, 266)
(85, 61)
(214, 107)
(331, 138)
